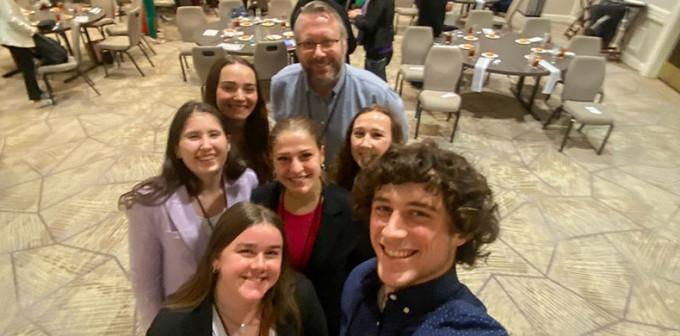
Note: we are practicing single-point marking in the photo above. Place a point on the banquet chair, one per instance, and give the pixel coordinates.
(582, 45)
(122, 44)
(406, 8)
(204, 57)
(480, 18)
(280, 9)
(71, 65)
(109, 7)
(505, 19)
(189, 20)
(121, 28)
(416, 43)
(582, 84)
(224, 9)
(269, 58)
(535, 27)
(443, 67)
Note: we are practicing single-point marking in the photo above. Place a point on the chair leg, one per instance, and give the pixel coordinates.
(148, 44)
(552, 115)
(566, 135)
(396, 81)
(106, 70)
(606, 137)
(455, 125)
(418, 111)
(88, 81)
(181, 65)
(581, 127)
(145, 55)
(135, 63)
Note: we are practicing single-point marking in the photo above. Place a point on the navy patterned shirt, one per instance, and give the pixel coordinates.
(443, 306)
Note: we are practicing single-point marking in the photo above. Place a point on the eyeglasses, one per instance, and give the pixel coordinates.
(311, 46)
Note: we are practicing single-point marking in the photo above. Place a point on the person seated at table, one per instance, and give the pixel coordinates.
(340, 9)
(324, 242)
(374, 19)
(373, 130)
(232, 87)
(428, 210)
(171, 216)
(243, 284)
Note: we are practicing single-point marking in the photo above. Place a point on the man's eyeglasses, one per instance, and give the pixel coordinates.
(311, 46)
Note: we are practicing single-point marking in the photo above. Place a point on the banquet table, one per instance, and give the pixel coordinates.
(510, 57)
(235, 39)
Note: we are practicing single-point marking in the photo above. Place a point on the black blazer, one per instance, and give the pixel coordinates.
(376, 30)
(198, 321)
(432, 13)
(341, 244)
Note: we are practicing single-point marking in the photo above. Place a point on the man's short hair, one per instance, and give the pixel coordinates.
(321, 7)
(465, 193)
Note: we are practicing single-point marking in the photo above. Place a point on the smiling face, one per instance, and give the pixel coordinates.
(251, 264)
(371, 137)
(203, 146)
(410, 235)
(322, 62)
(297, 161)
(236, 91)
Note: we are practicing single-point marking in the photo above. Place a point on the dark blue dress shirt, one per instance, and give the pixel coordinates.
(443, 306)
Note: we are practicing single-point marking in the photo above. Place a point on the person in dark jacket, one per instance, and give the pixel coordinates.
(375, 23)
(431, 13)
(351, 40)
(243, 284)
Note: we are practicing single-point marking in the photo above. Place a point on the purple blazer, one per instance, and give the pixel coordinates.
(166, 243)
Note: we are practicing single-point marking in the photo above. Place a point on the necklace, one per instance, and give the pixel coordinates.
(242, 327)
(205, 213)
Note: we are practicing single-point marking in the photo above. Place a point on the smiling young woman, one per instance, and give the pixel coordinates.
(171, 216)
(243, 284)
(324, 242)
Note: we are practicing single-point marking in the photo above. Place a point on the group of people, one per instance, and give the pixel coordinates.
(247, 232)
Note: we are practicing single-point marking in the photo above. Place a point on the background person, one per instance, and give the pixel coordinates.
(322, 87)
(171, 216)
(243, 284)
(374, 129)
(324, 243)
(232, 87)
(374, 19)
(432, 13)
(429, 210)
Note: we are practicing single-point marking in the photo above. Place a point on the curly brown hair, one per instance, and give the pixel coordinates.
(465, 193)
(345, 168)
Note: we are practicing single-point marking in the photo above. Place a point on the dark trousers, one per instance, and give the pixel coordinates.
(378, 65)
(23, 57)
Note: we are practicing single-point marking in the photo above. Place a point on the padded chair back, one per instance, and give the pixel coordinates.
(480, 18)
(190, 19)
(443, 67)
(415, 45)
(403, 3)
(134, 27)
(225, 7)
(584, 78)
(109, 7)
(280, 8)
(536, 27)
(270, 57)
(204, 58)
(75, 41)
(582, 45)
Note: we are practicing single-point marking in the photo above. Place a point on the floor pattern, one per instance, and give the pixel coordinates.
(589, 244)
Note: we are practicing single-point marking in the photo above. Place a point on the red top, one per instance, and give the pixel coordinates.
(301, 232)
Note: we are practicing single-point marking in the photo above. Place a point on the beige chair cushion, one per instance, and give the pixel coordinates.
(56, 68)
(406, 11)
(117, 30)
(583, 116)
(412, 73)
(102, 22)
(439, 101)
(115, 43)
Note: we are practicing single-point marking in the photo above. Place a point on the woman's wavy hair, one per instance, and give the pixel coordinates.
(465, 193)
(174, 173)
(346, 169)
(256, 129)
(278, 305)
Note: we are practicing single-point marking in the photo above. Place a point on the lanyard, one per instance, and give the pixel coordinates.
(337, 98)
(205, 213)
